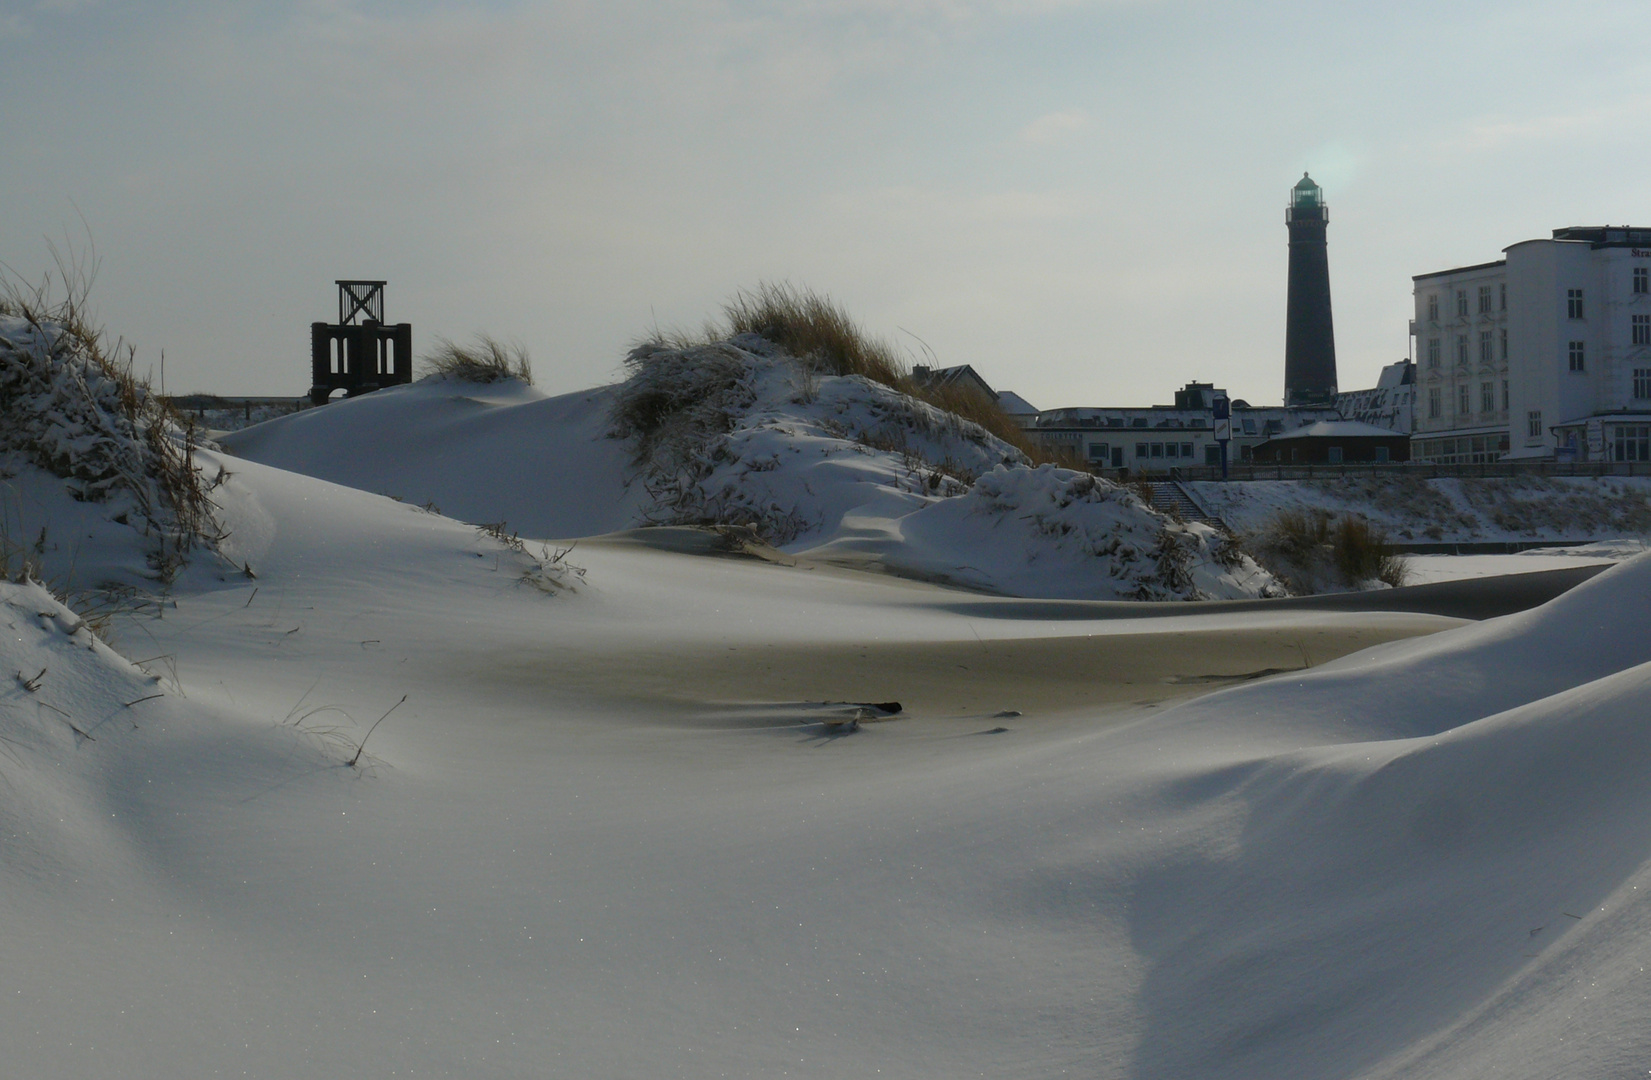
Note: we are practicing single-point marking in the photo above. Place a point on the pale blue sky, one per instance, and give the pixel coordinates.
(1084, 200)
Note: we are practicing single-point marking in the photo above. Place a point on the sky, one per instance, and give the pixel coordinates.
(1083, 200)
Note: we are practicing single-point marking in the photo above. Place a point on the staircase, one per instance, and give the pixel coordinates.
(1171, 498)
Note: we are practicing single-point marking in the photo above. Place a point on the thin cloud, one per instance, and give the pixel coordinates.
(1501, 134)
(1054, 127)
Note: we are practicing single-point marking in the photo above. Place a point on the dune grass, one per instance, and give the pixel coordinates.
(821, 335)
(485, 360)
(1306, 547)
(72, 404)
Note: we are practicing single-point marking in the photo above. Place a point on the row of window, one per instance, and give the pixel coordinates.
(1464, 399)
(1463, 449)
(1633, 442)
(1486, 348)
(1462, 302)
(1573, 298)
(1641, 335)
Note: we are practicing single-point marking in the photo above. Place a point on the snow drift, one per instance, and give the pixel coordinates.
(1446, 877)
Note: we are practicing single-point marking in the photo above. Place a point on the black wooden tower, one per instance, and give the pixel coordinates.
(359, 353)
(1309, 338)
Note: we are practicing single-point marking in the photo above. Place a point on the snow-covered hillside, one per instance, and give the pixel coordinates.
(1453, 509)
(836, 468)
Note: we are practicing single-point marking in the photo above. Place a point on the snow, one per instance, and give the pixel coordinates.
(1422, 509)
(604, 829)
(1422, 569)
(829, 468)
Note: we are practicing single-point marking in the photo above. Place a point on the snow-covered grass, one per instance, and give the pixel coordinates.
(77, 424)
(821, 338)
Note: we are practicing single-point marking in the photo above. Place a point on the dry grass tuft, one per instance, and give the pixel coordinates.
(1313, 550)
(487, 360)
(821, 335)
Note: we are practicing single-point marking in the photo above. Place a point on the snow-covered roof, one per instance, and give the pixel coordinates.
(1014, 404)
(1338, 429)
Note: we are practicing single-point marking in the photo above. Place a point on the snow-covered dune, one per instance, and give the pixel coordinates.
(603, 830)
(739, 432)
(479, 452)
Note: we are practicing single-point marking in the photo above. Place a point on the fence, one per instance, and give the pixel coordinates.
(1419, 469)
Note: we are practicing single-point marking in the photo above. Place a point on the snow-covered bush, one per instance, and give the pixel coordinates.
(68, 408)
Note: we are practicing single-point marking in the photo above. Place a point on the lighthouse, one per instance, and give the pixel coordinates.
(1309, 340)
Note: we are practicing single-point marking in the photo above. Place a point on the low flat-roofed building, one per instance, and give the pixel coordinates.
(1334, 442)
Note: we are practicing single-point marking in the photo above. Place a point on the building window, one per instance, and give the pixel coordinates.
(1573, 303)
(1433, 403)
(1332, 454)
(1642, 329)
(1462, 303)
(1504, 296)
(1157, 449)
(1504, 395)
(1633, 442)
(1642, 383)
(1577, 360)
(1461, 348)
(1381, 455)
(1533, 424)
(1099, 452)
(1186, 449)
(1484, 347)
(1170, 450)
(1487, 397)
(1504, 343)
(1433, 307)
(1433, 352)
(1462, 400)
(1642, 280)
(1140, 449)
(1484, 299)
(1249, 426)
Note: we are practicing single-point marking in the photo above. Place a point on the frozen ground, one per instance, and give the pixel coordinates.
(607, 832)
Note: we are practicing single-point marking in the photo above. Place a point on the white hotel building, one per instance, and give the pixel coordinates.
(1545, 353)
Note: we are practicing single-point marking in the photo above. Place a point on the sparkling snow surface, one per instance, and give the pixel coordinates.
(607, 833)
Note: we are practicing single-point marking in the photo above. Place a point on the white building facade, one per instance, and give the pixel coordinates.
(1463, 387)
(1544, 354)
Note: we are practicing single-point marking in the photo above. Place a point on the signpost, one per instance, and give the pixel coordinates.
(1223, 428)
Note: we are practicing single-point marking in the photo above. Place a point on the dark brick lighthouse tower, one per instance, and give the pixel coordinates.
(1309, 340)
